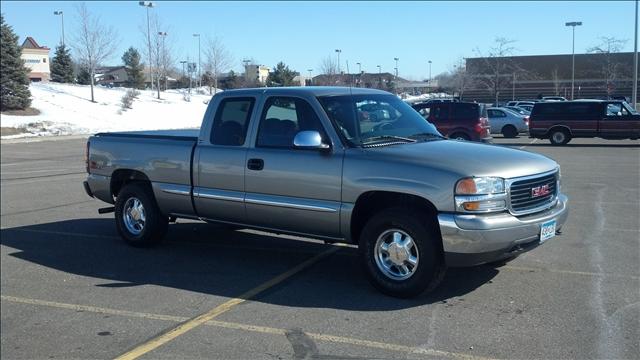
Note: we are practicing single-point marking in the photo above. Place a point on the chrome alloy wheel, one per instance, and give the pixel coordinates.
(396, 254)
(134, 215)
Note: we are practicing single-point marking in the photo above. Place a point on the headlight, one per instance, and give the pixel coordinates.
(480, 194)
(480, 186)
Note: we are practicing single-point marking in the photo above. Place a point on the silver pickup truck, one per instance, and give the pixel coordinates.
(324, 163)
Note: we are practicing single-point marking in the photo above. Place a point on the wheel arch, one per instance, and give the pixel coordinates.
(370, 202)
(555, 127)
(122, 177)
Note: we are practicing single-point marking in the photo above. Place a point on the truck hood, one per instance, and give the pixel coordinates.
(467, 158)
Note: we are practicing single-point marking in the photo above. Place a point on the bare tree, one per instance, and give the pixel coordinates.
(611, 69)
(498, 66)
(218, 60)
(329, 68)
(93, 42)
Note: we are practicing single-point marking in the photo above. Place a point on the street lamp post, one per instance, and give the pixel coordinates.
(62, 18)
(429, 73)
(164, 63)
(573, 25)
(199, 64)
(310, 78)
(359, 72)
(396, 59)
(338, 51)
(183, 62)
(148, 5)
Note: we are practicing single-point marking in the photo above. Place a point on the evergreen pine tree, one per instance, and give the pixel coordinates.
(134, 68)
(62, 66)
(14, 80)
(83, 78)
(281, 76)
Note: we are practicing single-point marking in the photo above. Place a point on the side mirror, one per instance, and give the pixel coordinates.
(309, 140)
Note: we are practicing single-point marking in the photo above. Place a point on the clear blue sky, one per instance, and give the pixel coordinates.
(373, 33)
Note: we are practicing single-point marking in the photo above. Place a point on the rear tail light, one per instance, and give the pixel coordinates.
(526, 120)
(86, 156)
(482, 123)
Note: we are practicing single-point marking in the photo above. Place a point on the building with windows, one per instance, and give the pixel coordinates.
(258, 73)
(36, 58)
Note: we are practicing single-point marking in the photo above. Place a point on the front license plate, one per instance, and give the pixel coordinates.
(547, 230)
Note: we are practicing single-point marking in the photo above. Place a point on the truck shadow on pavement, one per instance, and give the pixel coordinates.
(214, 260)
(569, 145)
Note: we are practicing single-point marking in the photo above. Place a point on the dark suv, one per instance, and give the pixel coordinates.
(458, 120)
(561, 121)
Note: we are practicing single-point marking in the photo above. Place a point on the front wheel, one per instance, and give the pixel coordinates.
(460, 136)
(400, 253)
(138, 219)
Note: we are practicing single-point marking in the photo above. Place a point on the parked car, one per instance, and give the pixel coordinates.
(561, 121)
(518, 110)
(508, 123)
(553, 98)
(458, 120)
(302, 161)
(520, 103)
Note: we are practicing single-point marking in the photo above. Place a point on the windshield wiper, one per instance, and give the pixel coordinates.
(427, 135)
(383, 138)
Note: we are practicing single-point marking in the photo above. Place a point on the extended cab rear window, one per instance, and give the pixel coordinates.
(232, 121)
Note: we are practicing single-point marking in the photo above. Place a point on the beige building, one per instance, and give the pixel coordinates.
(257, 72)
(36, 58)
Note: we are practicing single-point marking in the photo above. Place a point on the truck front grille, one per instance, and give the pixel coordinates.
(533, 193)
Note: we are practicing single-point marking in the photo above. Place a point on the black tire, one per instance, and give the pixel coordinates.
(155, 223)
(509, 131)
(430, 268)
(559, 137)
(460, 136)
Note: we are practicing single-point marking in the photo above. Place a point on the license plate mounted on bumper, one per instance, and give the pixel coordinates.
(547, 230)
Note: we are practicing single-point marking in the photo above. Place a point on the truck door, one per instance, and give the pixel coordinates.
(618, 122)
(288, 188)
(219, 163)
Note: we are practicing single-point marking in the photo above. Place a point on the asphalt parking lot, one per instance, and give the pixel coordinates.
(70, 288)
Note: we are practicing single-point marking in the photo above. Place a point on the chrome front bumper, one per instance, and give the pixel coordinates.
(476, 239)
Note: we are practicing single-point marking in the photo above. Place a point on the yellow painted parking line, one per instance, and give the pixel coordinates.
(248, 328)
(218, 310)
(93, 309)
(571, 272)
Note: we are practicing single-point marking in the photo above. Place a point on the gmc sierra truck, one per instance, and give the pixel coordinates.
(311, 161)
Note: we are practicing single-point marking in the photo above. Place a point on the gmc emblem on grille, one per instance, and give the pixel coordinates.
(541, 190)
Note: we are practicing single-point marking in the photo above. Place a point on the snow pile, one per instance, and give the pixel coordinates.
(66, 110)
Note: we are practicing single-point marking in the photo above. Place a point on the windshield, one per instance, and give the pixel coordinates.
(377, 118)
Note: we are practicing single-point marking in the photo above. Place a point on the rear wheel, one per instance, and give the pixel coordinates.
(559, 137)
(138, 219)
(400, 253)
(509, 131)
(460, 136)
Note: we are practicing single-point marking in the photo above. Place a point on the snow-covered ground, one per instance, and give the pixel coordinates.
(66, 110)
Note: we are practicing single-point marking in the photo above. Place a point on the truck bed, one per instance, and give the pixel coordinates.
(177, 134)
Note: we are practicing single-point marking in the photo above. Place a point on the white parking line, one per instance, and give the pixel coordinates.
(524, 146)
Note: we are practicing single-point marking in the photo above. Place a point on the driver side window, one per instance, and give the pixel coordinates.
(282, 118)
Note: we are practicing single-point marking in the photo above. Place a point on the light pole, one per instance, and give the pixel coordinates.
(62, 17)
(573, 25)
(396, 59)
(183, 62)
(164, 63)
(148, 5)
(338, 51)
(429, 73)
(634, 94)
(199, 64)
(310, 78)
(359, 72)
